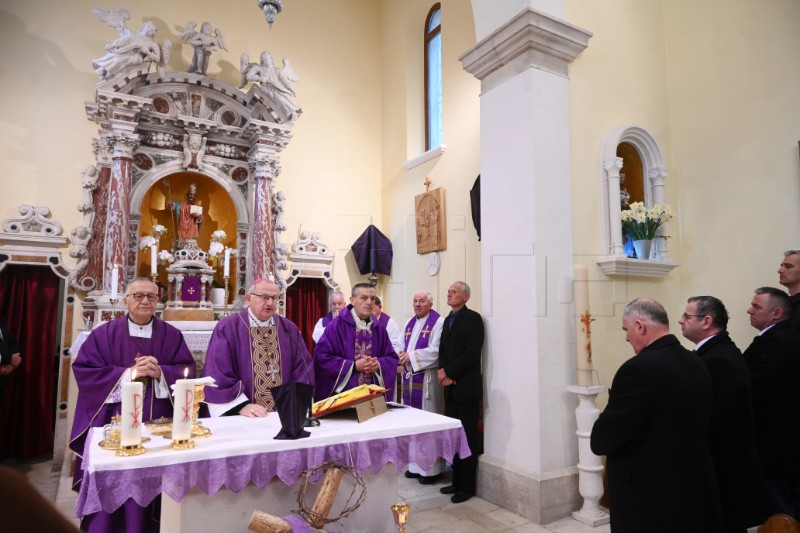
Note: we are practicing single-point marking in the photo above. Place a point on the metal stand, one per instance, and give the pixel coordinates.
(590, 468)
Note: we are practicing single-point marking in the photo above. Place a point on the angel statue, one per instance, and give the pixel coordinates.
(130, 50)
(275, 83)
(204, 43)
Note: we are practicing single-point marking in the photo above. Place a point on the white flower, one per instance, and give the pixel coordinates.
(159, 230)
(234, 252)
(146, 242)
(215, 248)
(218, 236)
(165, 257)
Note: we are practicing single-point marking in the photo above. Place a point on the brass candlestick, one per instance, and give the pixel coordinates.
(400, 512)
(130, 451)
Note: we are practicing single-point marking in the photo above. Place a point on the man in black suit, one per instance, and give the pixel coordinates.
(789, 277)
(774, 362)
(740, 478)
(460, 375)
(654, 432)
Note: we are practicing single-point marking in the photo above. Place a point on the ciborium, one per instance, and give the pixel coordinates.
(400, 512)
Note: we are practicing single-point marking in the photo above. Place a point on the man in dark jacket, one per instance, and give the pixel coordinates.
(654, 432)
(740, 478)
(774, 362)
(460, 375)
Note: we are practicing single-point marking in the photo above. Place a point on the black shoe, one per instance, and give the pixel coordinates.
(449, 489)
(460, 497)
(429, 480)
(412, 475)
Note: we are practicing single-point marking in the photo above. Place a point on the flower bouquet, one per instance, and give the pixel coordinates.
(642, 223)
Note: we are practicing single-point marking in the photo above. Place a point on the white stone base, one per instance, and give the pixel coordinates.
(593, 521)
(542, 499)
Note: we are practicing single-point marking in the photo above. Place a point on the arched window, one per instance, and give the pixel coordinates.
(433, 78)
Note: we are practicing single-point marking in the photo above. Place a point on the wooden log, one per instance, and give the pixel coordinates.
(324, 501)
(262, 522)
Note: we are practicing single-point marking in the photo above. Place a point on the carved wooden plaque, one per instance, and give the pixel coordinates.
(431, 230)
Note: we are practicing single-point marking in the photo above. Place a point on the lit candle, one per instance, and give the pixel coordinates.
(184, 405)
(153, 258)
(131, 430)
(583, 338)
(114, 282)
(227, 270)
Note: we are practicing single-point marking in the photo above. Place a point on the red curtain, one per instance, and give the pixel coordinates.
(29, 306)
(306, 302)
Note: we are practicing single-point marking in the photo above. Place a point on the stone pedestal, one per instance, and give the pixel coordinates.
(590, 468)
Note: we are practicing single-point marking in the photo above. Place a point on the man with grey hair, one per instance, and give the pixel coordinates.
(789, 277)
(336, 303)
(420, 361)
(774, 366)
(654, 432)
(460, 375)
(740, 478)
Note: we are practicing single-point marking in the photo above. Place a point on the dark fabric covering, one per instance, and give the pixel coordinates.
(306, 300)
(292, 401)
(373, 252)
(654, 432)
(475, 204)
(28, 303)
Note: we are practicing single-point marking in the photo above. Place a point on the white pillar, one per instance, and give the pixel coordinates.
(526, 264)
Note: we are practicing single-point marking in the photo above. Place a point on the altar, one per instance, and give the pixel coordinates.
(218, 484)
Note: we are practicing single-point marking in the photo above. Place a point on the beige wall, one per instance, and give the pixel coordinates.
(713, 82)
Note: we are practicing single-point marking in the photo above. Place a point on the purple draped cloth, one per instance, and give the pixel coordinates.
(98, 368)
(335, 355)
(373, 252)
(229, 361)
(412, 386)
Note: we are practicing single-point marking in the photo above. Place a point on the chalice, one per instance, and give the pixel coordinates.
(400, 511)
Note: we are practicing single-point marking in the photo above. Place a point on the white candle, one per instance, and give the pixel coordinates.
(153, 259)
(184, 405)
(582, 325)
(131, 431)
(114, 282)
(227, 270)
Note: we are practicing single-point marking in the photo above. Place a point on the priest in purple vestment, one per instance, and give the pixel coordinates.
(253, 351)
(420, 362)
(336, 303)
(157, 353)
(352, 352)
(385, 321)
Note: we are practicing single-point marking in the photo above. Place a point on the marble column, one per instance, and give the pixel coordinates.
(265, 170)
(526, 262)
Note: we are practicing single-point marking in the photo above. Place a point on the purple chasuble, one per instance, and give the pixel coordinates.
(412, 385)
(229, 359)
(336, 352)
(327, 319)
(103, 358)
(381, 321)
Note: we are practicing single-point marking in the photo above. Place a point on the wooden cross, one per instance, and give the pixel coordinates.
(426, 331)
(428, 184)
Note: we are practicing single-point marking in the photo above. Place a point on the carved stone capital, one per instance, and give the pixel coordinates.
(122, 144)
(532, 39)
(657, 175)
(264, 167)
(612, 167)
(102, 151)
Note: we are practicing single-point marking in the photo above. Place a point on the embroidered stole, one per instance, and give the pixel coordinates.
(363, 348)
(265, 354)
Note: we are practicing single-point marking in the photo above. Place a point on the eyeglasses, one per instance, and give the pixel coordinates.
(265, 297)
(686, 316)
(139, 296)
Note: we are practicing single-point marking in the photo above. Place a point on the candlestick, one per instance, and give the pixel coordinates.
(184, 404)
(131, 430)
(583, 339)
(114, 282)
(153, 259)
(227, 268)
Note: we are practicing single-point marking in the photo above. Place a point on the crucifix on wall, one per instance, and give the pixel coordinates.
(429, 213)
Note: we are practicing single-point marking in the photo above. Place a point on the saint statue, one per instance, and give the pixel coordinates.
(189, 216)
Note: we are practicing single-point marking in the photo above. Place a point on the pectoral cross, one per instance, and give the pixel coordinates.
(272, 371)
(425, 331)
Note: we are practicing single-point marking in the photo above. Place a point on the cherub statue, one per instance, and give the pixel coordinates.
(130, 50)
(194, 149)
(278, 202)
(204, 43)
(275, 82)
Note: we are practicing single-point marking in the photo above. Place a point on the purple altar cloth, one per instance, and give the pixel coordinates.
(109, 481)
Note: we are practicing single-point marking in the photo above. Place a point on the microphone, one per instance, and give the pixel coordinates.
(310, 420)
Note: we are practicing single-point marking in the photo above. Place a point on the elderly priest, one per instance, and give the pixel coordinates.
(354, 351)
(138, 346)
(253, 351)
